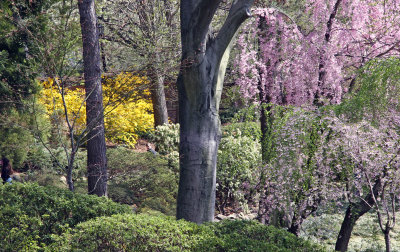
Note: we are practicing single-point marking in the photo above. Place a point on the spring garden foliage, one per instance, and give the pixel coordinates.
(329, 72)
(128, 109)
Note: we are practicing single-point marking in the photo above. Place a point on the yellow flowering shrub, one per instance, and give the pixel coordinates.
(50, 97)
(127, 107)
(123, 121)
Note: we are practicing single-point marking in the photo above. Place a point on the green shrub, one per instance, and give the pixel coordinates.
(249, 129)
(142, 179)
(45, 168)
(30, 214)
(253, 236)
(250, 113)
(232, 102)
(160, 233)
(15, 137)
(121, 160)
(238, 170)
(38, 158)
(136, 233)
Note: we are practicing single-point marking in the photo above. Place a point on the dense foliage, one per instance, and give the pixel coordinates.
(45, 218)
(143, 180)
(159, 233)
(238, 170)
(31, 214)
(18, 70)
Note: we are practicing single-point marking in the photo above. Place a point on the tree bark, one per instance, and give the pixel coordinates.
(203, 65)
(295, 226)
(353, 213)
(158, 97)
(96, 146)
(387, 240)
(321, 67)
(70, 168)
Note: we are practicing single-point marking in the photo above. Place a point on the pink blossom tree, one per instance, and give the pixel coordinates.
(367, 161)
(316, 63)
(295, 183)
(298, 64)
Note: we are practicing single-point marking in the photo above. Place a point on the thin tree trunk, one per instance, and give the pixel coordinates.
(322, 64)
(158, 98)
(387, 240)
(103, 57)
(266, 120)
(295, 226)
(70, 167)
(96, 146)
(353, 213)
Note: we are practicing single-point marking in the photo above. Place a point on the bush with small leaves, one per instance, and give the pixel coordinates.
(248, 129)
(160, 233)
(31, 214)
(238, 170)
(143, 179)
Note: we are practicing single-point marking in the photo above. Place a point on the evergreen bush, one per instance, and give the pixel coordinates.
(30, 214)
(142, 179)
(129, 232)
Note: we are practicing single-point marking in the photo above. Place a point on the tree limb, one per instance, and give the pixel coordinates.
(196, 16)
(238, 13)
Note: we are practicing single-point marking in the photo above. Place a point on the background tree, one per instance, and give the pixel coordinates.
(96, 144)
(376, 101)
(147, 31)
(60, 60)
(335, 38)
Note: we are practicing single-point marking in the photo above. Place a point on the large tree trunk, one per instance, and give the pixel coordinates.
(96, 146)
(353, 213)
(203, 65)
(199, 139)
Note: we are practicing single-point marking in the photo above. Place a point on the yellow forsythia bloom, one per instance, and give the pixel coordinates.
(127, 107)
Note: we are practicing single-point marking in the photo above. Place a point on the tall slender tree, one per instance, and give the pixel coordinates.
(204, 60)
(148, 31)
(96, 145)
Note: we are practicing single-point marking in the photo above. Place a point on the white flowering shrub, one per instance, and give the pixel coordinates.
(238, 170)
(166, 138)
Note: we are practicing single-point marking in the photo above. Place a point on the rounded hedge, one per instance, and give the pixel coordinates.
(142, 232)
(31, 214)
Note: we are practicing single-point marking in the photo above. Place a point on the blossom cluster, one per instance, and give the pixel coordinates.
(288, 63)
